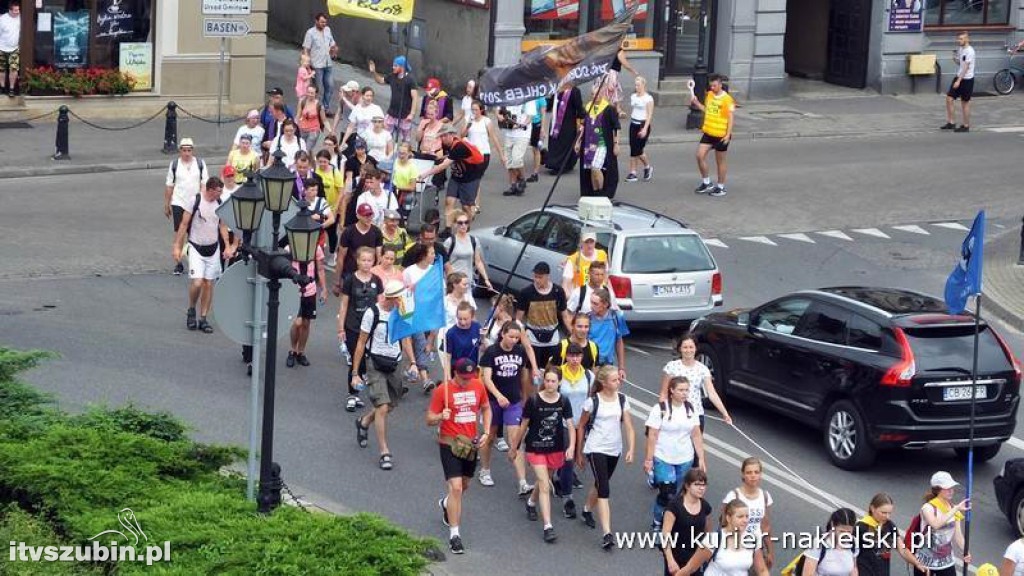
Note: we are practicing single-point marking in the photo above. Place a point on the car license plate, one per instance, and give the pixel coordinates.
(954, 393)
(673, 289)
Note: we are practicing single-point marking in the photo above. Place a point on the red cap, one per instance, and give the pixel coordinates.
(228, 171)
(433, 84)
(364, 210)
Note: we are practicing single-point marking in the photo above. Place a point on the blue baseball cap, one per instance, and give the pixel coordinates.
(401, 61)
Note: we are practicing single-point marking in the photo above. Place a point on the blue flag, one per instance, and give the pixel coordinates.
(421, 308)
(965, 280)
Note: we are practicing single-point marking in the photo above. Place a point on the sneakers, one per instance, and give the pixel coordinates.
(632, 177)
(455, 545)
(531, 512)
(648, 173)
(588, 518)
(533, 177)
(576, 484)
(608, 541)
(962, 129)
(428, 386)
(549, 535)
(704, 188)
(179, 269)
(485, 477)
(948, 126)
(655, 526)
(510, 192)
(190, 319)
(718, 191)
(501, 445)
(520, 187)
(302, 360)
(444, 510)
(569, 509)
(290, 362)
(525, 490)
(333, 260)
(351, 403)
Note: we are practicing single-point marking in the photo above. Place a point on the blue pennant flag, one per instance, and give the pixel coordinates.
(965, 280)
(421, 308)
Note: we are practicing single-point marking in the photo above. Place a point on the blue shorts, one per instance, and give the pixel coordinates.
(509, 416)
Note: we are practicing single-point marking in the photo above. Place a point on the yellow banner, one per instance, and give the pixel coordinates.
(386, 10)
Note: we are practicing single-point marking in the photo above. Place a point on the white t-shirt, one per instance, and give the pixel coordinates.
(675, 443)
(289, 149)
(965, 57)
(1015, 553)
(378, 342)
(413, 274)
(205, 226)
(638, 105)
(757, 507)
(524, 114)
(467, 107)
(731, 562)
(256, 132)
(606, 435)
(698, 375)
(478, 134)
(451, 308)
(191, 176)
(838, 561)
(10, 32)
(380, 202)
(377, 144)
(362, 117)
(574, 300)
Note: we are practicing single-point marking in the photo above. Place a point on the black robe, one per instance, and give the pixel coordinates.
(610, 120)
(561, 146)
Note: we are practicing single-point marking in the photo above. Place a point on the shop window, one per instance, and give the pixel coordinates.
(552, 19)
(960, 13)
(611, 8)
(76, 34)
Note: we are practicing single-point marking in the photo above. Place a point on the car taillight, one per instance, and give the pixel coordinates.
(1009, 354)
(716, 284)
(622, 286)
(900, 374)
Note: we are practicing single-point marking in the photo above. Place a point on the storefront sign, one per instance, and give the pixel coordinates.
(570, 9)
(114, 19)
(216, 7)
(905, 16)
(225, 28)
(136, 59)
(71, 39)
(385, 10)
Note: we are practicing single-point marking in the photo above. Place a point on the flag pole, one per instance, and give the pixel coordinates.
(970, 433)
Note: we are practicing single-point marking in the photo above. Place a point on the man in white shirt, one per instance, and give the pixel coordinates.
(185, 176)
(10, 40)
(321, 48)
(962, 86)
(516, 123)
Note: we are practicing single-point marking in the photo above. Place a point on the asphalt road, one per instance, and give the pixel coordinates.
(87, 260)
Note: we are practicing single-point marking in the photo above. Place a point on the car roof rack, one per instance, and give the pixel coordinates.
(657, 215)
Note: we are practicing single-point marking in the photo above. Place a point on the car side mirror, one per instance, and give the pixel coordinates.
(499, 231)
(743, 318)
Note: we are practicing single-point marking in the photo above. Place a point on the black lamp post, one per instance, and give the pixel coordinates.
(248, 204)
(700, 69)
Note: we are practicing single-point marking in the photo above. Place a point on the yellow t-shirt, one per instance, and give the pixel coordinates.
(243, 162)
(404, 176)
(334, 183)
(581, 266)
(717, 111)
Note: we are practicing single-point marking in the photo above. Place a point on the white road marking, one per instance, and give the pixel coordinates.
(1016, 442)
(715, 242)
(871, 232)
(912, 228)
(836, 234)
(998, 225)
(637, 350)
(759, 240)
(798, 237)
(651, 345)
(1007, 129)
(950, 225)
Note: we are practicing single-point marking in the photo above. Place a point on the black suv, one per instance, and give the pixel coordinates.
(873, 368)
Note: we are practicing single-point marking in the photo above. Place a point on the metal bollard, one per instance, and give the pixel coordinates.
(1020, 257)
(171, 129)
(62, 134)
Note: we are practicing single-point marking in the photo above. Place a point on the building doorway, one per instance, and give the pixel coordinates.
(684, 35)
(828, 40)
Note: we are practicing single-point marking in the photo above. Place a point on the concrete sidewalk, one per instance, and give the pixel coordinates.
(813, 110)
(1003, 288)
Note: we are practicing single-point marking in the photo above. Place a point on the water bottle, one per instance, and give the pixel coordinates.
(345, 353)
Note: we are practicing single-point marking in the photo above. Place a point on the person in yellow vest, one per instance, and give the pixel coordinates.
(577, 266)
(718, 108)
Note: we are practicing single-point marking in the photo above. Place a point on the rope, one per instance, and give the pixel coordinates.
(209, 121)
(118, 129)
(34, 118)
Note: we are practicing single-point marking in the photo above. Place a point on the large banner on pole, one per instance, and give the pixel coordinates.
(384, 10)
(542, 71)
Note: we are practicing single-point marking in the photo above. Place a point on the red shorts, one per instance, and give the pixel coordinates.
(552, 461)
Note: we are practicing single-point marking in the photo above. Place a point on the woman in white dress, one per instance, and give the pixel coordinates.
(699, 376)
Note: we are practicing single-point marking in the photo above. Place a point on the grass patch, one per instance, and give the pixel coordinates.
(64, 478)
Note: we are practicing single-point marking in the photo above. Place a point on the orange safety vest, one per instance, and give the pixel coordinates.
(717, 110)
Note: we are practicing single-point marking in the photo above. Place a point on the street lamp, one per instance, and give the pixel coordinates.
(695, 117)
(248, 204)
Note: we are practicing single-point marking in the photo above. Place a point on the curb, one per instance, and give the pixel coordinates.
(996, 305)
(60, 168)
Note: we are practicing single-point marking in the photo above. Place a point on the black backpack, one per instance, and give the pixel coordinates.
(195, 209)
(174, 170)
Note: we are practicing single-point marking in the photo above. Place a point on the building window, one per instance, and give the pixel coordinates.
(552, 19)
(960, 13)
(610, 8)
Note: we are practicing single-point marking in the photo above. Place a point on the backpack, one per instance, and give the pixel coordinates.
(195, 208)
(174, 170)
(796, 566)
(475, 156)
(449, 245)
(564, 349)
(913, 529)
(596, 402)
(382, 363)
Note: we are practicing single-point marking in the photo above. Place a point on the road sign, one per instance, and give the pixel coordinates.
(225, 28)
(223, 7)
(233, 299)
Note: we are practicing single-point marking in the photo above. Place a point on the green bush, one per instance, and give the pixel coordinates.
(64, 479)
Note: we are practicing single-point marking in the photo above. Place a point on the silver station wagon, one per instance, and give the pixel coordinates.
(660, 270)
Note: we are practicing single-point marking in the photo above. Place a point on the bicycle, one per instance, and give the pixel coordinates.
(1005, 80)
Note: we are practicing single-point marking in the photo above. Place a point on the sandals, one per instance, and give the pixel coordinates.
(205, 327)
(385, 462)
(190, 319)
(362, 433)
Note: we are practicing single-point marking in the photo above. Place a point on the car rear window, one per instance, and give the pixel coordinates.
(667, 253)
(951, 348)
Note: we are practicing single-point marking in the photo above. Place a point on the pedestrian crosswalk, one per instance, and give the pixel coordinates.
(899, 232)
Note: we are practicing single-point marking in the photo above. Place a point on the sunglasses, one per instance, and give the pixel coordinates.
(186, 148)
(462, 222)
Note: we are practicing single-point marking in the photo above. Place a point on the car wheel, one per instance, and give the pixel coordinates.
(1016, 512)
(846, 437)
(981, 453)
(707, 356)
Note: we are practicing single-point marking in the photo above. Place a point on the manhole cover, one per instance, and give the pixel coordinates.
(778, 114)
(15, 125)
